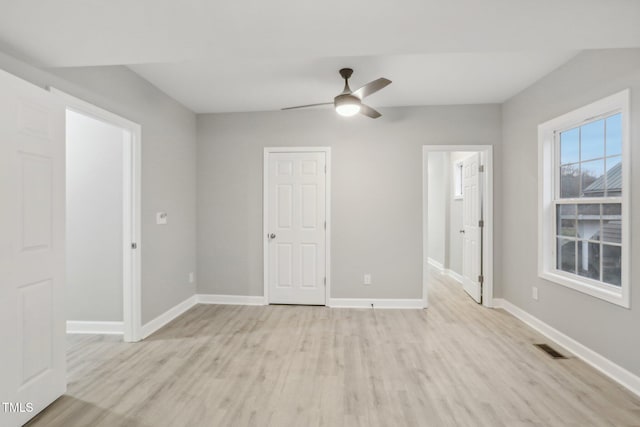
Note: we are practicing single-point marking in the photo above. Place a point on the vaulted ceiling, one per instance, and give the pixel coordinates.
(247, 55)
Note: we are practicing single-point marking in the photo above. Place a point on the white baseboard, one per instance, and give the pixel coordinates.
(94, 327)
(440, 269)
(435, 264)
(599, 362)
(230, 299)
(455, 276)
(166, 317)
(377, 303)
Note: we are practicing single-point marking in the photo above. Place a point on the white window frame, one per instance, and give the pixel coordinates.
(548, 176)
(458, 180)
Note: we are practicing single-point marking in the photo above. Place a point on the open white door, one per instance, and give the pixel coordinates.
(296, 227)
(32, 193)
(472, 230)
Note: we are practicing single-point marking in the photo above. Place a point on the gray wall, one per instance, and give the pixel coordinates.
(437, 201)
(376, 200)
(94, 219)
(168, 169)
(606, 328)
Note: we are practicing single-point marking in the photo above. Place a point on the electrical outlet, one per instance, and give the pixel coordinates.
(367, 279)
(191, 277)
(161, 218)
(534, 293)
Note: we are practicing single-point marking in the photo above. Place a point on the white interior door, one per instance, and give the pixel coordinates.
(296, 233)
(472, 232)
(32, 193)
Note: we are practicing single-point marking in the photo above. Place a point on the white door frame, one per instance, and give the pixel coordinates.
(486, 157)
(131, 226)
(265, 212)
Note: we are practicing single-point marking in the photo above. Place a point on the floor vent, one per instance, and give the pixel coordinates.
(550, 351)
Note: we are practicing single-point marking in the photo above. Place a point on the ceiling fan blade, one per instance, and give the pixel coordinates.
(308, 105)
(371, 87)
(369, 112)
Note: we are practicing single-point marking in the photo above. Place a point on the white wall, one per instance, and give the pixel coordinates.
(437, 206)
(376, 200)
(168, 169)
(94, 219)
(606, 328)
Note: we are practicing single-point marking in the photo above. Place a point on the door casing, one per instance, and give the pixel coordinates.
(265, 212)
(132, 159)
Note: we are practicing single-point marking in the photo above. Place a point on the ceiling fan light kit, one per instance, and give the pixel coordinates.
(349, 103)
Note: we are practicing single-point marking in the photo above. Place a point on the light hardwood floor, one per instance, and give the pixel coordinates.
(455, 364)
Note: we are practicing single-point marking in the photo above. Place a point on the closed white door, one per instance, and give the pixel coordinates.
(296, 228)
(472, 231)
(32, 196)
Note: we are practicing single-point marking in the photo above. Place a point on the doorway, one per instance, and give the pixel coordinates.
(458, 219)
(103, 221)
(297, 225)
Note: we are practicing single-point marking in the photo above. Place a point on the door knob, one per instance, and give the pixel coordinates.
(272, 236)
(462, 231)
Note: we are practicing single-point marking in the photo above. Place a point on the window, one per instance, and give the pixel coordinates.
(458, 179)
(584, 199)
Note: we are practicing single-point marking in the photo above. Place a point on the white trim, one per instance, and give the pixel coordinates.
(596, 360)
(455, 276)
(377, 303)
(132, 184)
(230, 299)
(486, 152)
(169, 315)
(547, 189)
(265, 212)
(90, 327)
(435, 264)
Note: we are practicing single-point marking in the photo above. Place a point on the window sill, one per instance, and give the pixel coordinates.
(613, 296)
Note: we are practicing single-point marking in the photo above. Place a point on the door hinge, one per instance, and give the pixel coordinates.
(481, 279)
(325, 281)
(481, 168)
(134, 246)
(325, 225)
(481, 223)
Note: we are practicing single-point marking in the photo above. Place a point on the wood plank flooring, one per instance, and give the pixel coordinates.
(455, 364)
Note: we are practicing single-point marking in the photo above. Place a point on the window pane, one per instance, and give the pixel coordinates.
(566, 217)
(589, 222)
(566, 255)
(614, 135)
(611, 264)
(592, 140)
(592, 178)
(614, 176)
(589, 259)
(570, 146)
(570, 181)
(612, 222)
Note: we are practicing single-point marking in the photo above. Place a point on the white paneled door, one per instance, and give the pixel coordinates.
(32, 196)
(472, 231)
(296, 227)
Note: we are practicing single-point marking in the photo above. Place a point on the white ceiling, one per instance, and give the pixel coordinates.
(243, 55)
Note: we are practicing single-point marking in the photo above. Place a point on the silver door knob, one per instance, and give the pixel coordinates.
(462, 231)
(272, 236)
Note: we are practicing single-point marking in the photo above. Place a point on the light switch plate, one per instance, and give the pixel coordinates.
(367, 279)
(161, 218)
